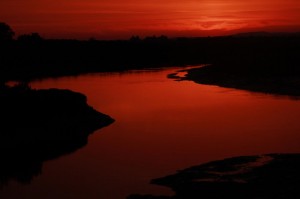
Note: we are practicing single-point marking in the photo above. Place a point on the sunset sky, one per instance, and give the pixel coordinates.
(111, 19)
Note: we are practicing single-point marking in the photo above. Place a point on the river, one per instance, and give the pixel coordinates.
(161, 126)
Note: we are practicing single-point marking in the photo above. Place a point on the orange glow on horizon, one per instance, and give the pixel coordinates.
(116, 18)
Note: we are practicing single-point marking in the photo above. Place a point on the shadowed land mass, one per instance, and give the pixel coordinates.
(260, 55)
(265, 82)
(39, 125)
(260, 64)
(249, 177)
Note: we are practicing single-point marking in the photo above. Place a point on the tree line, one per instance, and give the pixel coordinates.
(31, 56)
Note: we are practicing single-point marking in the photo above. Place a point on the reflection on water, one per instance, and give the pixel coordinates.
(161, 126)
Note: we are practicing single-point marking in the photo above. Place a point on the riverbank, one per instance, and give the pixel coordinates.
(263, 176)
(278, 84)
(38, 125)
(31, 59)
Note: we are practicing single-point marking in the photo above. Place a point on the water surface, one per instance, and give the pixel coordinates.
(161, 126)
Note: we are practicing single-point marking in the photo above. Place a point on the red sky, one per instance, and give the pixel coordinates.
(110, 19)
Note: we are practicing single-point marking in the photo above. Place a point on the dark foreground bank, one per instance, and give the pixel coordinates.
(38, 125)
(248, 177)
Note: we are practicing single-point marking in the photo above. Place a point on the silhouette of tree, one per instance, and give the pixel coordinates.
(6, 33)
(6, 36)
(135, 39)
(32, 38)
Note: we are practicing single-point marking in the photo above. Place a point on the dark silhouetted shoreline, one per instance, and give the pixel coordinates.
(249, 177)
(31, 56)
(278, 84)
(38, 125)
(260, 64)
